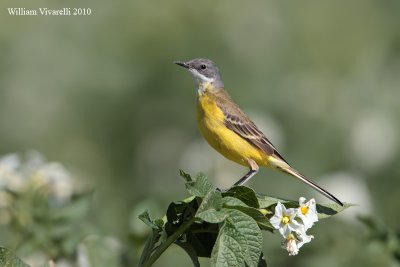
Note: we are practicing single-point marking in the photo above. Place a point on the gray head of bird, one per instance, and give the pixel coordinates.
(204, 72)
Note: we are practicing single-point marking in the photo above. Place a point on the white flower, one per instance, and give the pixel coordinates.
(302, 237)
(295, 241)
(307, 212)
(9, 163)
(83, 256)
(293, 229)
(10, 176)
(290, 245)
(56, 178)
(284, 221)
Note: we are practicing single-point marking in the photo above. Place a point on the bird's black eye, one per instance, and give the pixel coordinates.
(203, 67)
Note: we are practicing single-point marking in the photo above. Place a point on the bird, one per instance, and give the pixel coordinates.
(230, 131)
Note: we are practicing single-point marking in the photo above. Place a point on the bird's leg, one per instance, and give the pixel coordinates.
(253, 171)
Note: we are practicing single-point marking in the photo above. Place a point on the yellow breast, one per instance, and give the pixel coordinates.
(211, 123)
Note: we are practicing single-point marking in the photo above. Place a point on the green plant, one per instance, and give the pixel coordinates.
(224, 225)
(8, 258)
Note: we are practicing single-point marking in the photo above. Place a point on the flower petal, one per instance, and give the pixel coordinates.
(276, 221)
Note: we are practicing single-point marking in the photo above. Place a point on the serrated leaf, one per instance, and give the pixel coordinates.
(328, 210)
(9, 259)
(239, 241)
(198, 187)
(145, 217)
(245, 194)
(210, 209)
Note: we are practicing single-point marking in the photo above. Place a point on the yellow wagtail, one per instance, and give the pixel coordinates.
(230, 131)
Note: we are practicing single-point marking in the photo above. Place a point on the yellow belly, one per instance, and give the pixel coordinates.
(211, 123)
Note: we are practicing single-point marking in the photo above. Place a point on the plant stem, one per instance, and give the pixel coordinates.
(151, 240)
(171, 239)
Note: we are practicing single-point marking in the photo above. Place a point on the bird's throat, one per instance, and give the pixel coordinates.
(204, 87)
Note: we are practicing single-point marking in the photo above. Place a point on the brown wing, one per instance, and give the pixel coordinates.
(237, 121)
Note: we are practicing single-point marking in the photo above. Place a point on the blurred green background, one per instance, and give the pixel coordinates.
(101, 95)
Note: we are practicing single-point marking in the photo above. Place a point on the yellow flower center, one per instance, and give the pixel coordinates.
(304, 210)
(285, 219)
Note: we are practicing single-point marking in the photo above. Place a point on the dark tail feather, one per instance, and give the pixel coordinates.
(306, 180)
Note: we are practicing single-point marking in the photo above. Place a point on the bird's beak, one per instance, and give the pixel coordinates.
(182, 64)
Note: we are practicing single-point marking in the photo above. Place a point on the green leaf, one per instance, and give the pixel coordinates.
(324, 210)
(262, 221)
(373, 225)
(77, 209)
(262, 262)
(155, 224)
(202, 238)
(228, 249)
(175, 210)
(213, 200)
(101, 251)
(179, 212)
(185, 176)
(232, 201)
(9, 259)
(245, 194)
(190, 251)
(238, 242)
(328, 210)
(213, 216)
(210, 209)
(267, 201)
(198, 187)
(260, 218)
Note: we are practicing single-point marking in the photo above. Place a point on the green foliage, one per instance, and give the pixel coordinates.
(224, 226)
(379, 232)
(145, 217)
(56, 231)
(101, 251)
(198, 187)
(239, 240)
(245, 194)
(9, 259)
(210, 209)
(43, 214)
(101, 94)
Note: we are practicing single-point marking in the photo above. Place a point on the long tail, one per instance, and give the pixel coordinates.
(306, 180)
(283, 166)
